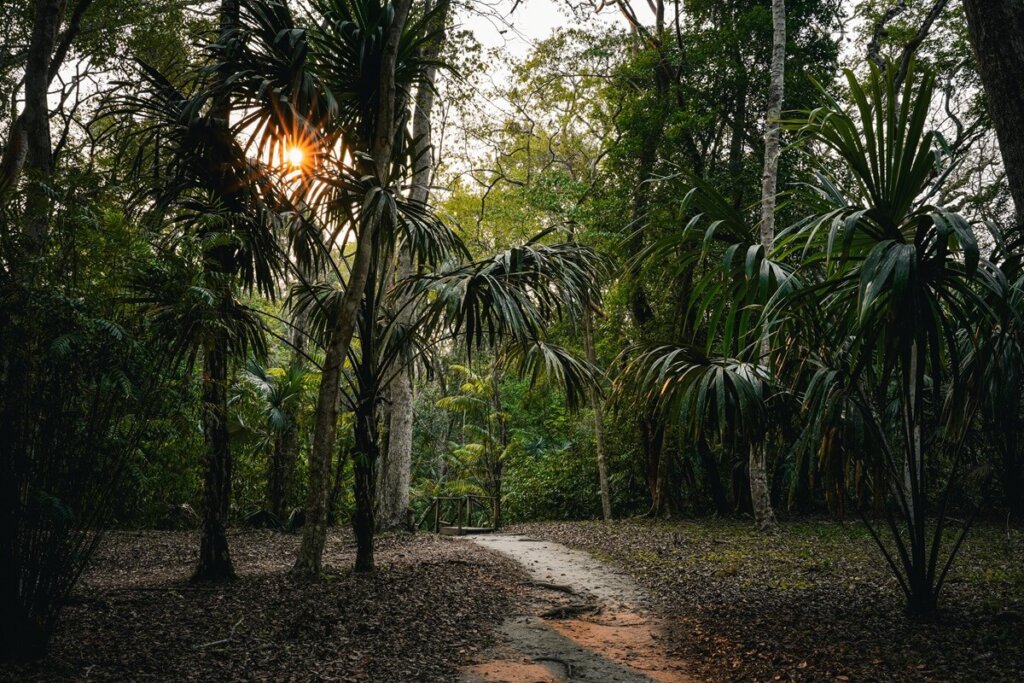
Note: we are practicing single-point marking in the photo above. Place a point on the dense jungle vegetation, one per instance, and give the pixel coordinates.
(305, 264)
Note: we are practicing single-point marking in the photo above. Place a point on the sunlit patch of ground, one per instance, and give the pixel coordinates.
(629, 638)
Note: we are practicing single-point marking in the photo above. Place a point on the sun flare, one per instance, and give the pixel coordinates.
(295, 156)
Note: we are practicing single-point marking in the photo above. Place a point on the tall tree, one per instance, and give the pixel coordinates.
(760, 492)
(997, 36)
(602, 464)
(214, 557)
(396, 470)
(382, 140)
(35, 123)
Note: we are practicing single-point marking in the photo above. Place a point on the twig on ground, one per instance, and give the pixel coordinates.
(230, 637)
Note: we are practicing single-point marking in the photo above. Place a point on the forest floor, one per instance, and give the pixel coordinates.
(813, 603)
(627, 601)
(135, 617)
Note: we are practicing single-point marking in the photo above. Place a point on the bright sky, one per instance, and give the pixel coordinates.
(531, 21)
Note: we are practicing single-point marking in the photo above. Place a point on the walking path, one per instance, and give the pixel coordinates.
(585, 623)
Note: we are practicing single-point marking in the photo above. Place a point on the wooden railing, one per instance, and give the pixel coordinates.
(470, 511)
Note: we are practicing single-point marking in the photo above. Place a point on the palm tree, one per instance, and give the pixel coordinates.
(891, 295)
(339, 88)
(760, 492)
(218, 214)
(281, 394)
(719, 390)
(502, 303)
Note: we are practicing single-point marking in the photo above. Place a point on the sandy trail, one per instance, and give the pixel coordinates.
(587, 623)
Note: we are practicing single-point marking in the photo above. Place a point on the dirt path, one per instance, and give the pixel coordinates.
(585, 622)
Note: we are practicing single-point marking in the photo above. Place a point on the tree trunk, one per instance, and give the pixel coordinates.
(314, 534)
(282, 465)
(498, 464)
(334, 497)
(996, 29)
(760, 493)
(35, 123)
(922, 598)
(738, 130)
(712, 480)
(653, 439)
(602, 465)
(214, 558)
(365, 465)
(281, 480)
(662, 507)
(397, 470)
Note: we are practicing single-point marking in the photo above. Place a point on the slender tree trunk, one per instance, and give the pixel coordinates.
(334, 497)
(736, 141)
(653, 437)
(397, 470)
(760, 493)
(996, 29)
(661, 507)
(35, 120)
(282, 466)
(498, 466)
(314, 534)
(364, 466)
(281, 481)
(214, 558)
(712, 480)
(602, 465)
(396, 465)
(922, 599)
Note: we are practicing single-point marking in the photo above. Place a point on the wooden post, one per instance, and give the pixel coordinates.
(437, 515)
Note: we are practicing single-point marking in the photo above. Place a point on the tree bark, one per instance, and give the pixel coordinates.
(602, 464)
(35, 121)
(214, 557)
(397, 466)
(498, 463)
(996, 29)
(760, 493)
(396, 470)
(314, 534)
(653, 441)
(364, 467)
(712, 479)
(282, 467)
(281, 479)
(334, 497)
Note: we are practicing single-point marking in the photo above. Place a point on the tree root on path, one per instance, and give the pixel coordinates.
(570, 610)
(560, 587)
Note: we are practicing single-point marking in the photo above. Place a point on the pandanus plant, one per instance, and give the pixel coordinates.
(878, 308)
(500, 303)
(336, 85)
(895, 294)
(217, 215)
